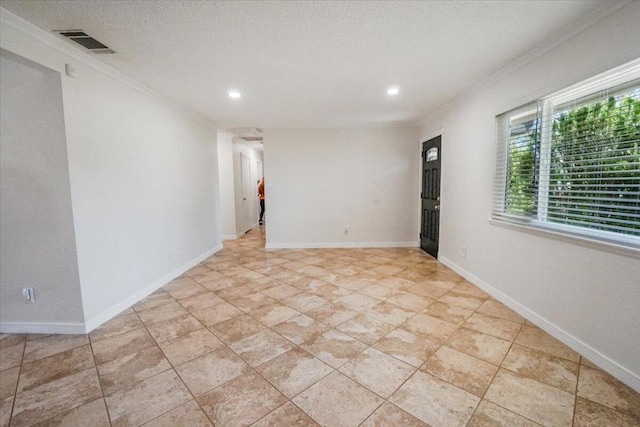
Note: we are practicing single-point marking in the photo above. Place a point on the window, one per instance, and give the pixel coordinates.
(570, 162)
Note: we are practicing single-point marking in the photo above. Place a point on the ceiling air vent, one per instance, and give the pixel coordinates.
(84, 40)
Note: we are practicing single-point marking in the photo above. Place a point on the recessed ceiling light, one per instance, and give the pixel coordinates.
(234, 94)
(393, 91)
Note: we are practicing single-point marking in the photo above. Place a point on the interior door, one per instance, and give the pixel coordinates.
(430, 230)
(245, 172)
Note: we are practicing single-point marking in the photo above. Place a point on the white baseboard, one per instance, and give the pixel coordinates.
(413, 244)
(112, 311)
(41, 328)
(231, 236)
(620, 372)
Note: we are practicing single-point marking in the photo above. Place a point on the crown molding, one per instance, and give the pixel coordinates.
(531, 55)
(26, 28)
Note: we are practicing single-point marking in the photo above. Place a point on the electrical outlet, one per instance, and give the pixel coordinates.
(463, 251)
(181, 250)
(346, 230)
(29, 295)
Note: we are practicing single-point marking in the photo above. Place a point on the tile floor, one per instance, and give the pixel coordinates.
(332, 337)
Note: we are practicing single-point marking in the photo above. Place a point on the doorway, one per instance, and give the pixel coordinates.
(430, 195)
(247, 210)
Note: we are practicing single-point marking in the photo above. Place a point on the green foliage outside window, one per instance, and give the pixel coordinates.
(594, 166)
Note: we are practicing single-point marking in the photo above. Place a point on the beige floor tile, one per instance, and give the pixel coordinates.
(211, 370)
(357, 302)
(300, 329)
(55, 397)
(534, 400)
(184, 287)
(589, 364)
(10, 340)
(45, 347)
(187, 415)
(200, 302)
(237, 328)
(448, 312)
(332, 314)
(189, 346)
(160, 394)
(287, 415)
(121, 345)
(241, 401)
(469, 289)
(93, 414)
(496, 309)
(435, 329)
(600, 387)
(461, 370)
(410, 301)
(377, 371)
(156, 299)
(365, 328)
(113, 327)
(170, 329)
(197, 271)
(212, 315)
(482, 346)
(304, 302)
(294, 371)
(9, 382)
(551, 370)
(462, 300)
(491, 415)
(334, 348)
(434, 401)
(328, 291)
(407, 346)
(433, 290)
(273, 314)
(261, 347)
(591, 414)
(540, 340)
(389, 415)
(494, 326)
(11, 356)
(128, 370)
(378, 291)
(6, 405)
(235, 292)
(41, 371)
(282, 292)
(337, 401)
(253, 302)
(217, 284)
(163, 312)
(389, 313)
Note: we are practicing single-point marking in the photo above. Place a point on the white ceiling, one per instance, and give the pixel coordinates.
(310, 64)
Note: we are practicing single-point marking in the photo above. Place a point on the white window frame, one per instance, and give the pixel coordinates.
(618, 242)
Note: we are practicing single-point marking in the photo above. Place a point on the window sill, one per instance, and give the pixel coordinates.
(616, 248)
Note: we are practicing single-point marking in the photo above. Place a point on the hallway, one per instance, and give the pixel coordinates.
(335, 337)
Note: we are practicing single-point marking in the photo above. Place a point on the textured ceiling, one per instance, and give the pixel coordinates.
(310, 64)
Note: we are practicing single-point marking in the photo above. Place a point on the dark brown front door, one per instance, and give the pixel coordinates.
(431, 157)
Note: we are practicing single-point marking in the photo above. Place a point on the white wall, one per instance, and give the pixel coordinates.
(144, 180)
(322, 180)
(227, 189)
(37, 243)
(587, 297)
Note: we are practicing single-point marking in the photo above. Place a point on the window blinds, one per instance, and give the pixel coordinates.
(572, 160)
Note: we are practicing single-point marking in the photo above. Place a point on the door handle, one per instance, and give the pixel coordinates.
(436, 207)
(244, 198)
